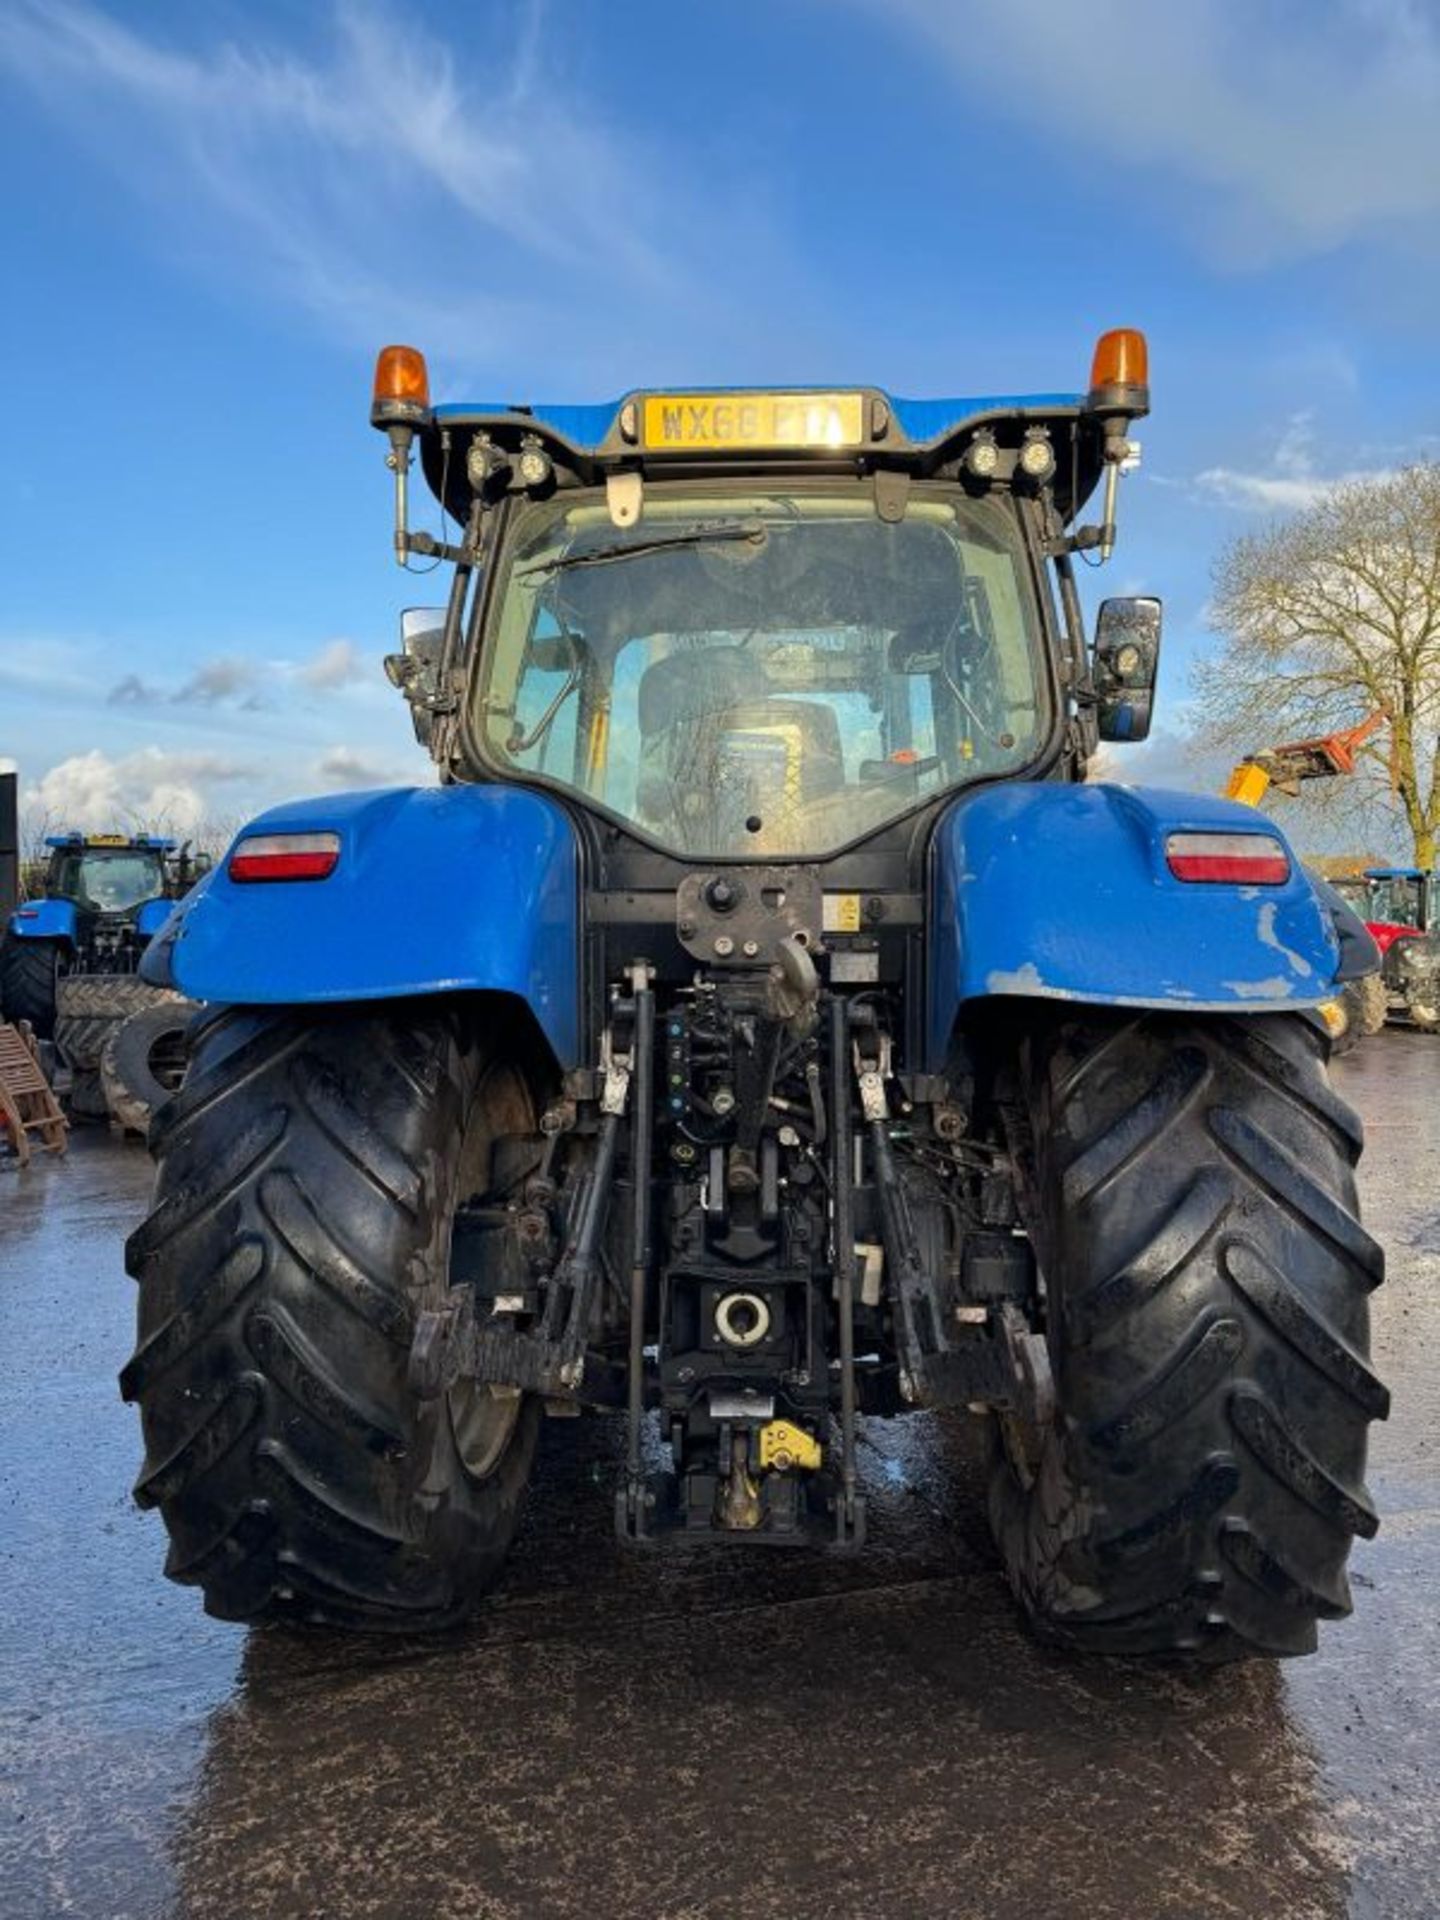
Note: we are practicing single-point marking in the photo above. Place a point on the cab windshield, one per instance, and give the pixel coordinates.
(1396, 901)
(108, 882)
(768, 673)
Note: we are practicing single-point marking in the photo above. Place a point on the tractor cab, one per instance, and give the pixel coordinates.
(1402, 897)
(109, 891)
(107, 873)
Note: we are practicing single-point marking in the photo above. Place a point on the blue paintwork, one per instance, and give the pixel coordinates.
(151, 916)
(147, 840)
(437, 890)
(588, 428)
(1062, 892)
(579, 426)
(925, 421)
(44, 920)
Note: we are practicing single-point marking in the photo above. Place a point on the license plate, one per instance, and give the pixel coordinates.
(680, 421)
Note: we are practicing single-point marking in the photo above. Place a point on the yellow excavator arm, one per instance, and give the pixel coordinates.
(1285, 767)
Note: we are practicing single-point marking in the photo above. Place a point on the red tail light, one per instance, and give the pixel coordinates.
(1233, 859)
(285, 856)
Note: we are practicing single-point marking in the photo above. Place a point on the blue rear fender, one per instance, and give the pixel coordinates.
(436, 890)
(151, 916)
(1061, 892)
(43, 920)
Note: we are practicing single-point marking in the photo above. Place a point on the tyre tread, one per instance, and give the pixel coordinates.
(300, 1216)
(1208, 1278)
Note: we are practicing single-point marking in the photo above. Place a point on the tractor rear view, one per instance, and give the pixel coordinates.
(102, 898)
(69, 959)
(736, 1043)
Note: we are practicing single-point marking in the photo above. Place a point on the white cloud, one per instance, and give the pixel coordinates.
(343, 767)
(45, 665)
(336, 665)
(1166, 759)
(1291, 483)
(394, 191)
(247, 685)
(1299, 129)
(150, 787)
(132, 691)
(213, 682)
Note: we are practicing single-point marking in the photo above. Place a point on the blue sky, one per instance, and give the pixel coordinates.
(215, 214)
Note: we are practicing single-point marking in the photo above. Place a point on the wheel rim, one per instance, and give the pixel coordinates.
(167, 1058)
(1023, 1444)
(482, 1418)
(1336, 1017)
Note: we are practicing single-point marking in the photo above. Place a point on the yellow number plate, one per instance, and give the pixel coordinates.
(679, 421)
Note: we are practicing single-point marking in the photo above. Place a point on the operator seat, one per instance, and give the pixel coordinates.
(713, 754)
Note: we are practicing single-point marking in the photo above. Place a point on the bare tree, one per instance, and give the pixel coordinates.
(36, 825)
(1327, 618)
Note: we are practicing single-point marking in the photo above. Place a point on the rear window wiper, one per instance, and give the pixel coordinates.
(624, 549)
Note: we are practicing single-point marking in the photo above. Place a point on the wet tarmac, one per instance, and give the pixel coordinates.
(717, 1736)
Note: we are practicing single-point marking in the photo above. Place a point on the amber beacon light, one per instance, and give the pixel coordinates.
(402, 387)
(401, 403)
(1119, 393)
(1121, 360)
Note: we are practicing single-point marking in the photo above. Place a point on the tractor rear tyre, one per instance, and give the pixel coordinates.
(1207, 1280)
(89, 1007)
(308, 1174)
(144, 1062)
(29, 970)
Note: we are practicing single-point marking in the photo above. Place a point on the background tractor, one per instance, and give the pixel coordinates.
(737, 1043)
(69, 959)
(1398, 905)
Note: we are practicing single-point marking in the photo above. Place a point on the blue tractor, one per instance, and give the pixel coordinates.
(762, 1026)
(103, 897)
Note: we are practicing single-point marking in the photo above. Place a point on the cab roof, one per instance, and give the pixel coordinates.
(115, 842)
(906, 435)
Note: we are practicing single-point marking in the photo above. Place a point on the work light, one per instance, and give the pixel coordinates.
(1037, 456)
(982, 456)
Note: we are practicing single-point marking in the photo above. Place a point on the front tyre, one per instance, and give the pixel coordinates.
(1207, 1277)
(1374, 999)
(308, 1174)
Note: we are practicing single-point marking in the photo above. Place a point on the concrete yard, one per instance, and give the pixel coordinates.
(721, 1735)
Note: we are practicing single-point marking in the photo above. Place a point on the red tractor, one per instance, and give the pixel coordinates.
(1399, 907)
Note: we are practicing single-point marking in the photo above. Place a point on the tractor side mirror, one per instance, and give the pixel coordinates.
(415, 670)
(1127, 658)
